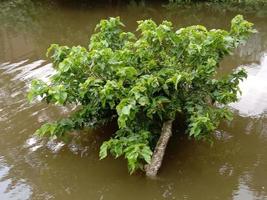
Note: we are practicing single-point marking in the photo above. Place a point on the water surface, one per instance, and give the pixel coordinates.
(33, 168)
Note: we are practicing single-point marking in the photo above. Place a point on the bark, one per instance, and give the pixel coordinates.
(157, 157)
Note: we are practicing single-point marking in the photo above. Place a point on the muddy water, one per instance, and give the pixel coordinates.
(31, 168)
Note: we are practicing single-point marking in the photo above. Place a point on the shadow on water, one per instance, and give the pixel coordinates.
(33, 168)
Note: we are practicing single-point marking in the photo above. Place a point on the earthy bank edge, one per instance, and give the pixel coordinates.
(144, 81)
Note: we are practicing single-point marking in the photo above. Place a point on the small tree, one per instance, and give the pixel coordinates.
(144, 82)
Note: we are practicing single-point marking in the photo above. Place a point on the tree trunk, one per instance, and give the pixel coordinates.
(157, 157)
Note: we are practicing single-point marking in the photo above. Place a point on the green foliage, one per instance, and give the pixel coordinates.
(16, 13)
(143, 80)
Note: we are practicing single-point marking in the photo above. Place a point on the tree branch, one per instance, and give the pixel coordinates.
(158, 154)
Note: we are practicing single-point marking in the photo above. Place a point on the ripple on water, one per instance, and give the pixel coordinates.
(55, 146)
(14, 83)
(253, 102)
(25, 70)
(33, 143)
(11, 66)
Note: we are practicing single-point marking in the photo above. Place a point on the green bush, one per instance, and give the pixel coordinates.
(143, 80)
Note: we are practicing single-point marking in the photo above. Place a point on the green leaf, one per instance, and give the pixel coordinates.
(143, 101)
(103, 151)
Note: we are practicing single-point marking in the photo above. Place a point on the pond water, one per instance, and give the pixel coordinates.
(32, 168)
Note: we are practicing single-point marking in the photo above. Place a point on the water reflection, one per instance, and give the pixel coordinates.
(254, 90)
(10, 188)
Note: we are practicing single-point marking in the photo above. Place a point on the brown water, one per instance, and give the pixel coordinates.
(31, 168)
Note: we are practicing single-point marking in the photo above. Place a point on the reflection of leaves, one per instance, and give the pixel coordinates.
(258, 7)
(17, 13)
